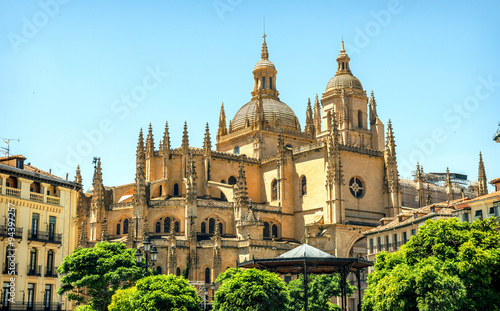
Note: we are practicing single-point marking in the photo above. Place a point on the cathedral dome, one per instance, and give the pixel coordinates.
(344, 81)
(264, 63)
(276, 113)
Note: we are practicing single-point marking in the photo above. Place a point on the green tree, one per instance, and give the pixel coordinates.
(84, 308)
(448, 265)
(92, 275)
(250, 289)
(123, 300)
(320, 289)
(165, 292)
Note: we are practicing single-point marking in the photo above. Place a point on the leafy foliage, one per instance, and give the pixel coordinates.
(92, 275)
(165, 292)
(123, 300)
(84, 308)
(448, 265)
(250, 289)
(320, 289)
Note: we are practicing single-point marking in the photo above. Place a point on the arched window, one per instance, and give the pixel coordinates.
(211, 226)
(360, 119)
(118, 229)
(158, 270)
(231, 180)
(177, 227)
(176, 190)
(160, 193)
(270, 83)
(274, 190)
(220, 228)
(303, 185)
(275, 231)
(203, 227)
(50, 262)
(207, 276)
(158, 227)
(166, 225)
(266, 230)
(263, 83)
(236, 150)
(178, 271)
(125, 226)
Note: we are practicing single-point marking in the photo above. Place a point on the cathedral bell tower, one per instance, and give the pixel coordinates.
(264, 75)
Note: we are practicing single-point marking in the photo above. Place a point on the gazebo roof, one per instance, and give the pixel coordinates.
(305, 251)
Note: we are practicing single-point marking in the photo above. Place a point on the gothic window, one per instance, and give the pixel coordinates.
(158, 270)
(166, 225)
(303, 185)
(207, 276)
(211, 226)
(275, 231)
(356, 187)
(270, 83)
(274, 190)
(176, 190)
(178, 271)
(220, 228)
(203, 227)
(125, 226)
(360, 119)
(118, 229)
(158, 227)
(231, 180)
(266, 230)
(236, 150)
(177, 227)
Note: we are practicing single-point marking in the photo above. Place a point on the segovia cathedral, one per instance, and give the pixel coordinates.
(266, 188)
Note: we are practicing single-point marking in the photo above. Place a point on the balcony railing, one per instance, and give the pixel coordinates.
(34, 306)
(4, 232)
(13, 192)
(53, 200)
(43, 236)
(8, 271)
(34, 270)
(51, 273)
(36, 196)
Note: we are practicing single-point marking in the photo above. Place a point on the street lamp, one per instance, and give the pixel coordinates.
(150, 253)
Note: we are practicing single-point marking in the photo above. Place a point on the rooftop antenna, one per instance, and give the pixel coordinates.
(264, 25)
(6, 150)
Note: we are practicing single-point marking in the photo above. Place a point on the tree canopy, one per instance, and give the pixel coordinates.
(320, 289)
(92, 275)
(250, 289)
(448, 265)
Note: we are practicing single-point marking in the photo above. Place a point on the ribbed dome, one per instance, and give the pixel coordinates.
(344, 80)
(285, 117)
(264, 63)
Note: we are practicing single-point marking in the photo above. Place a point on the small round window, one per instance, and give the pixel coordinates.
(356, 187)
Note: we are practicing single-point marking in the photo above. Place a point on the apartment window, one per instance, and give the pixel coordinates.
(493, 211)
(387, 243)
(479, 215)
(405, 238)
(465, 217)
(48, 296)
(31, 295)
(33, 261)
(371, 246)
(379, 244)
(288, 278)
(50, 262)
(52, 227)
(34, 224)
(413, 231)
(395, 241)
(5, 295)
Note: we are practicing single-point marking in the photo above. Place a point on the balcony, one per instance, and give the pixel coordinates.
(34, 270)
(34, 306)
(8, 271)
(4, 232)
(13, 192)
(51, 273)
(38, 197)
(43, 236)
(53, 200)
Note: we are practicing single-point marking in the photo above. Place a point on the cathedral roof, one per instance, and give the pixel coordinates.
(344, 81)
(273, 110)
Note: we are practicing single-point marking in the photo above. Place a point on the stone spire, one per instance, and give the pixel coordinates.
(344, 110)
(97, 184)
(150, 145)
(185, 139)
(481, 179)
(449, 185)
(191, 181)
(104, 228)
(334, 170)
(207, 143)
(78, 176)
(428, 201)
(309, 129)
(140, 179)
(241, 195)
(264, 54)
(420, 189)
(391, 173)
(166, 140)
(343, 62)
(373, 110)
(281, 144)
(259, 113)
(222, 123)
(317, 115)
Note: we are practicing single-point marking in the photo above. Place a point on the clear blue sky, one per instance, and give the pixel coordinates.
(65, 66)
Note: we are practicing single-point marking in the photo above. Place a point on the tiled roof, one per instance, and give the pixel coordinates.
(464, 204)
(494, 181)
(17, 156)
(33, 169)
